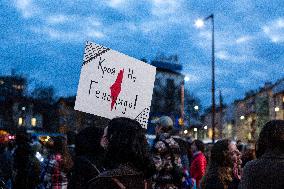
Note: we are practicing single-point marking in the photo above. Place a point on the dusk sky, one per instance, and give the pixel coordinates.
(44, 39)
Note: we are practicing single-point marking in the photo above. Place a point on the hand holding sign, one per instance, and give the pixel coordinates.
(115, 85)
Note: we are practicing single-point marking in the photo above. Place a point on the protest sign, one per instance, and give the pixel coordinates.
(115, 85)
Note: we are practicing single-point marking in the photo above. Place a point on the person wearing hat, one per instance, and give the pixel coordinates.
(163, 125)
(166, 156)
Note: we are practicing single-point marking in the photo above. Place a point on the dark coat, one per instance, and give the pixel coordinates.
(27, 168)
(85, 168)
(123, 177)
(217, 184)
(267, 172)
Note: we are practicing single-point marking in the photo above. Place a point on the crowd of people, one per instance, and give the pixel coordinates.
(118, 156)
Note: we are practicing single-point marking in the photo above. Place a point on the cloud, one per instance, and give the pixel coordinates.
(57, 19)
(275, 30)
(243, 39)
(95, 34)
(68, 35)
(26, 7)
(165, 7)
(116, 3)
(238, 58)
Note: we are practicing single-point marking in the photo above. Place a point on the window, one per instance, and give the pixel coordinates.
(33, 121)
(20, 121)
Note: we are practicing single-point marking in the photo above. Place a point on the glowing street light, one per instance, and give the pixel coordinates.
(185, 131)
(242, 117)
(205, 127)
(186, 78)
(276, 109)
(199, 23)
(195, 129)
(196, 107)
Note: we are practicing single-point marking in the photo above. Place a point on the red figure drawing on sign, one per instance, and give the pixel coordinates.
(116, 88)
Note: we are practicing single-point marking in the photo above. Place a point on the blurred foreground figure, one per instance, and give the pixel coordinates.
(223, 171)
(26, 166)
(89, 157)
(198, 165)
(167, 157)
(127, 157)
(268, 170)
(57, 165)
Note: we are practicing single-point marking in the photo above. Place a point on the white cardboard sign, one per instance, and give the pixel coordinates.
(115, 85)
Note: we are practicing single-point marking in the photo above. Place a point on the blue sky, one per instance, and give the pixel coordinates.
(44, 40)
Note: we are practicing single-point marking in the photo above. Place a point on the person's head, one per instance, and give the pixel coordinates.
(126, 143)
(88, 141)
(271, 137)
(224, 153)
(197, 145)
(164, 124)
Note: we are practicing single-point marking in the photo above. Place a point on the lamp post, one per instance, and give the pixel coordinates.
(199, 23)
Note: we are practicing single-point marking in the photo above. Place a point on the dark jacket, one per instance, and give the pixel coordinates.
(123, 177)
(212, 181)
(85, 168)
(267, 172)
(217, 184)
(27, 168)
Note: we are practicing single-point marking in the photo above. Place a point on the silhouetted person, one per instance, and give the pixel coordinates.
(268, 170)
(26, 166)
(127, 158)
(89, 157)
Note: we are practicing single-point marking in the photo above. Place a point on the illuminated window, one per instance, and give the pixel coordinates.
(210, 133)
(33, 122)
(20, 121)
(249, 136)
(1, 82)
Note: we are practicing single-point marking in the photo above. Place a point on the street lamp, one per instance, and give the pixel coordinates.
(196, 107)
(186, 78)
(200, 23)
(205, 131)
(195, 133)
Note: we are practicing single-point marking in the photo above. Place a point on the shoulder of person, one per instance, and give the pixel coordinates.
(108, 179)
(122, 170)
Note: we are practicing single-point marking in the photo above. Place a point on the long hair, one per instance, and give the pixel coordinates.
(199, 145)
(271, 137)
(127, 144)
(60, 147)
(220, 163)
(88, 141)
